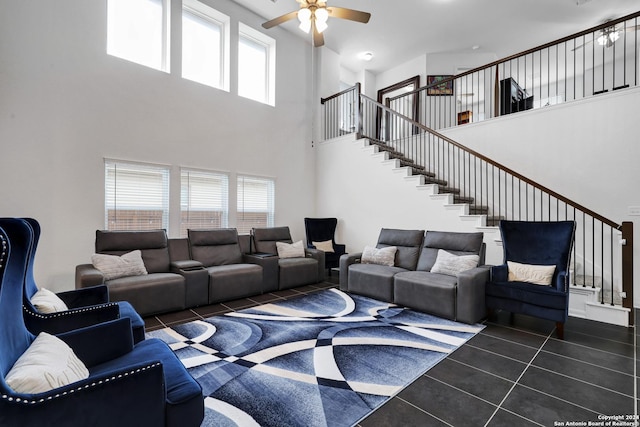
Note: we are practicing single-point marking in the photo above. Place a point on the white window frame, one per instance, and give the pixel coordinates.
(221, 20)
(163, 65)
(254, 36)
(215, 202)
(241, 202)
(132, 198)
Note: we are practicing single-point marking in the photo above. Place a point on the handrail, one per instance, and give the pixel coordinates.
(337, 95)
(517, 55)
(492, 162)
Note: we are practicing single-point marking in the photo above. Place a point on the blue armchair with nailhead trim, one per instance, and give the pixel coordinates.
(128, 385)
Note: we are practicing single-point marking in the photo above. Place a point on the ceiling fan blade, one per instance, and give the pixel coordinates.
(581, 45)
(318, 38)
(350, 14)
(280, 19)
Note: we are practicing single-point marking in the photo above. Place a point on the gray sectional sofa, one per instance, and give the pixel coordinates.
(209, 266)
(410, 281)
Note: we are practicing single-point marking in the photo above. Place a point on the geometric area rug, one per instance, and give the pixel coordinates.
(324, 359)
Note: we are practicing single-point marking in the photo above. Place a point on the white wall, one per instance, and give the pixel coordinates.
(65, 105)
(414, 67)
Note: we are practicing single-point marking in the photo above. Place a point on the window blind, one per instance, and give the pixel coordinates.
(256, 203)
(204, 200)
(136, 196)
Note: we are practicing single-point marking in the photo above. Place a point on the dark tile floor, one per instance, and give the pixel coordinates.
(514, 373)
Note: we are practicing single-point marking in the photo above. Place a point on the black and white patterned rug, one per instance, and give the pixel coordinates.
(324, 359)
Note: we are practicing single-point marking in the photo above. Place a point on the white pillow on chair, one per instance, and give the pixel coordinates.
(47, 302)
(47, 364)
(536, 274)
(326, 246)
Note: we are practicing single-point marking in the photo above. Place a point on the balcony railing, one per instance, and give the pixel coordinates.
(601, 59)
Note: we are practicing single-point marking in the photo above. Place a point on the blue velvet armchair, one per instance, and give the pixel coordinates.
(322, 230)
(87, 306)
(539, 244)
(128, 385)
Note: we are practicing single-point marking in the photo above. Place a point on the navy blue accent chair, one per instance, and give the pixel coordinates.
(87, 306)
(321, 230)
(536, 243)
(128, 385)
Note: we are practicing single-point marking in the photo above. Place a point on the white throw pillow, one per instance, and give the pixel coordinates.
(48, 363)
(326, 246)
(46, 302)
(536, 274)
(383, 256)
(290, 250)
(113, 266)
(451, 264)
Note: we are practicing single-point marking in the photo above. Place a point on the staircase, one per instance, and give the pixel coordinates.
(427, 177)
(421, 190)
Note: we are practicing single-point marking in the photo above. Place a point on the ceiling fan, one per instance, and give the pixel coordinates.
(608, 36)
(313, 15)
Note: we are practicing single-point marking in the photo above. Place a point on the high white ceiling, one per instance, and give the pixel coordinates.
(401, 30)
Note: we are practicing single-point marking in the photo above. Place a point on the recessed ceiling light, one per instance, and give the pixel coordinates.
(475, 47)
(365, 56)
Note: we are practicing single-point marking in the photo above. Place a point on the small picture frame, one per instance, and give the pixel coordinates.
(445, 89)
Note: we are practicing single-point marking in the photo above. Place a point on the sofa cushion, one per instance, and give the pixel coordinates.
(48, 363)
(215, 247)
(184, 394)
(114, 266)
(233, 281)
(150, 294)
(428, 292)
(450, 264)
(544, 296)
(297, 272)
(452, 242)
(408, 242)
(46, 302)
(152, 243)
(383, 256)
(373, 280)
(290, 250)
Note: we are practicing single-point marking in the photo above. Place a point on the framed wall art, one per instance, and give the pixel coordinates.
(441, 89)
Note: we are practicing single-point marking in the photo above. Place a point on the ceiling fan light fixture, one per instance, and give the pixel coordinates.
(304, 16)
(608, 37)
(321, 15)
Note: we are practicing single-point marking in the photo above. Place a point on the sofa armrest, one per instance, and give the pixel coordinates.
(499, 273)
(269, 264)
(340, 248)
(185, 265)
(470, 297)
(196, 281)
(75, 318)
(318, 255)
(87, 275)
(83, 297)
(345, 261)
(102, 342)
